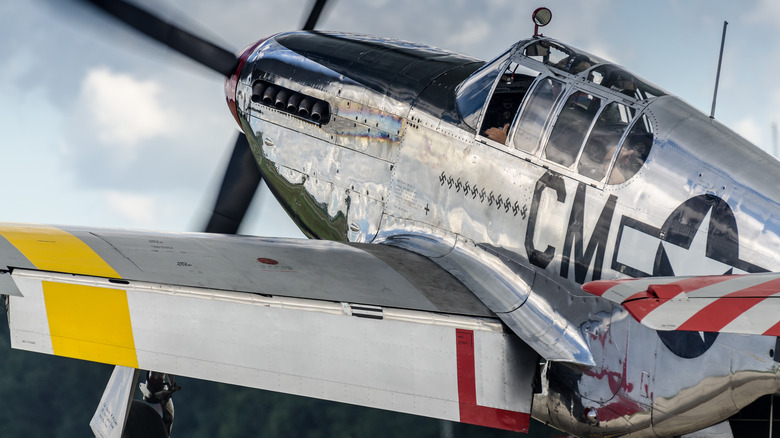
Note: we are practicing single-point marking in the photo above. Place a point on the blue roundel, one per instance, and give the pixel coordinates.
(687, 345)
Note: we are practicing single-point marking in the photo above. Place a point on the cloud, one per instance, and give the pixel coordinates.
(475, 30)
(125, 111)
(749, 129)
(765, 12)
(138, 209)
(144, 210)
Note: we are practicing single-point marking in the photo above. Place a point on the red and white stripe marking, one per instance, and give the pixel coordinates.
(745, 304)
(470, 411)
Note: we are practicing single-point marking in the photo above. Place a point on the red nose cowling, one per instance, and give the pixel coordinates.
(232, 81)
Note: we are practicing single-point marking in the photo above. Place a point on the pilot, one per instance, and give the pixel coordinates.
(506, 100)
(500, 113)
(498, 134)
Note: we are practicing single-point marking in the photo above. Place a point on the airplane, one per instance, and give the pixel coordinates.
(520, 222)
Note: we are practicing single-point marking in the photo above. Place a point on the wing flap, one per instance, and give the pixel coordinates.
(746, 304)
(454, 367)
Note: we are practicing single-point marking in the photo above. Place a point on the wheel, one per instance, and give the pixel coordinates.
(144, 421)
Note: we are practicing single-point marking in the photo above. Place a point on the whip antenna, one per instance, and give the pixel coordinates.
(717, 75)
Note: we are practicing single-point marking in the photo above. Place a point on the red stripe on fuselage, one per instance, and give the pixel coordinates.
(470, 412)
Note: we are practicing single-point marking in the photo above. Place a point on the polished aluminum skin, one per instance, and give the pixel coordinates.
(560, 169)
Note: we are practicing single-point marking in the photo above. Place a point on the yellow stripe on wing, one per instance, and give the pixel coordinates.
(52, 249)
(90, 323)
(85, 322)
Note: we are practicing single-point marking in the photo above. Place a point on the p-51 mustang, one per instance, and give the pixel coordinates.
(459, 207)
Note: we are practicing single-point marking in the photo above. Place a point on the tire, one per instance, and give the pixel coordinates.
(144, 421)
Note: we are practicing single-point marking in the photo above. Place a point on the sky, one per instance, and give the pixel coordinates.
(100, 127)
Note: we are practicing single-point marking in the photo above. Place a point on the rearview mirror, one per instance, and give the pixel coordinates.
(541, 17)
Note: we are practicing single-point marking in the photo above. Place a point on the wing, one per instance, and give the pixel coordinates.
(371, 325)
(747, 304)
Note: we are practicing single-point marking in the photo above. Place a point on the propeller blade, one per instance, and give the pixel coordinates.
(204, 52)
(314, 15)
(242, 178)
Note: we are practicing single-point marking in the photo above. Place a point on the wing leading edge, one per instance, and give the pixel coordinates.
(368, 326)
(745, 304)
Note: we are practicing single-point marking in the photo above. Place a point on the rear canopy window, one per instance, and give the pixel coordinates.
(603, 140)
(621, 81)
(561, 57)
(634, 151)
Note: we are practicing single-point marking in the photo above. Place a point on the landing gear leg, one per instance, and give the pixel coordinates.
(118, 414)
(158, 391)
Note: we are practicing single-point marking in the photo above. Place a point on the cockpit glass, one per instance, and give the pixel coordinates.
(536, 113)
(473, 92)
(571, 127)
(617, 79)
(561, 57)
(633, 152)
(505, 101)
(546, 52)
(603, 140)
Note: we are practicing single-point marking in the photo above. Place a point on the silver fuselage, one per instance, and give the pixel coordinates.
(399, 169)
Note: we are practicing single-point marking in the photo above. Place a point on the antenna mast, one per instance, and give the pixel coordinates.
(717, 75)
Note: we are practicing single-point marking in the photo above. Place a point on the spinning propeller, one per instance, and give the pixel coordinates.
(242, 175)
(241, 180)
